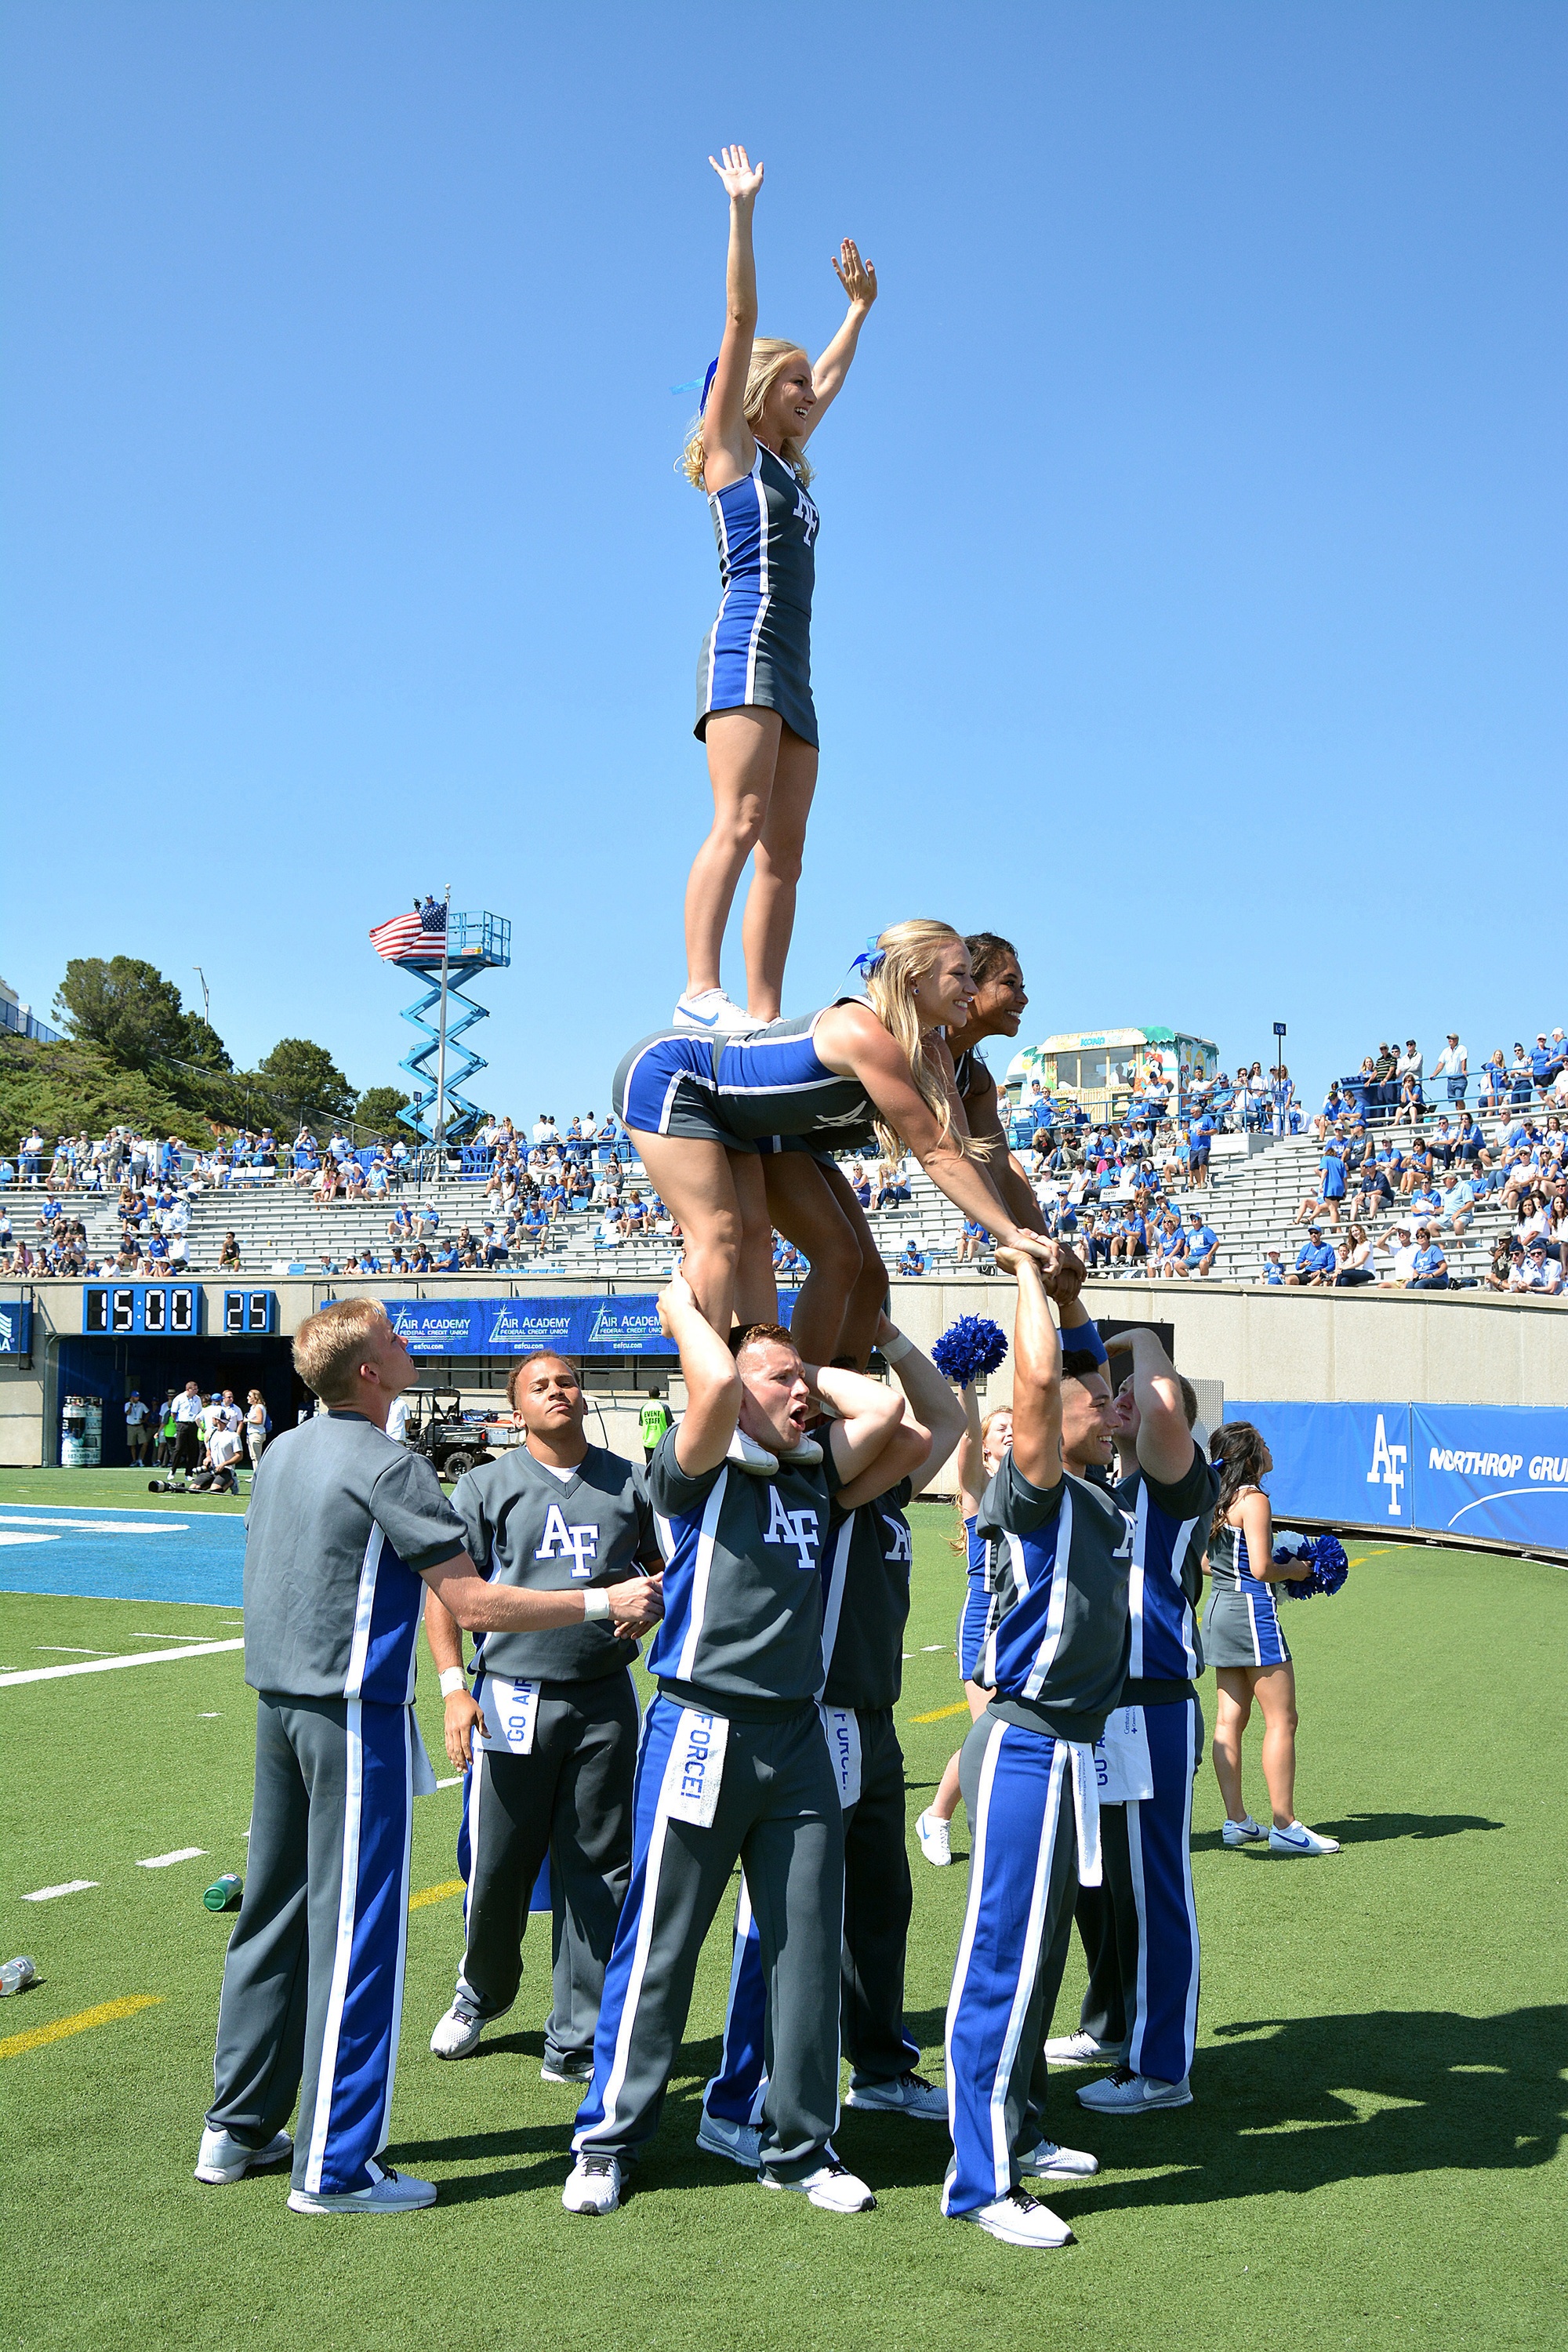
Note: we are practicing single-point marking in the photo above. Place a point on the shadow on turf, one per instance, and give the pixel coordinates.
(1368, 1829)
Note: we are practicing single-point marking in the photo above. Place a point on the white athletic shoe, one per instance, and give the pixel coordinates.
(1245, 1831)
(747, 1454)
(712, 1013)
(936, 1839)
(1020, 2220)
(1123, 2093)
(395, 2192)
(577, 2070)
(906, 2095)
(223, 2159)
(1299, 1839)
(594, 2185)
(832, 2187)
(1046, 2161)
(458, 2033)
(741, 2143)
(1082, 2049)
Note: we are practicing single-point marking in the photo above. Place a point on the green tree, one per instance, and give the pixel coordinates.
(134, 1014)
(74, 1087)
(381, 1110)
(303, 1082)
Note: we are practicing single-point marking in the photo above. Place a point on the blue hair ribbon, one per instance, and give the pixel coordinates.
(693, 381)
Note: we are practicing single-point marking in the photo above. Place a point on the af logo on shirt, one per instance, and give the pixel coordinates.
(806, 513)
(901, 1549)
(797, 1528)
(579, 1545)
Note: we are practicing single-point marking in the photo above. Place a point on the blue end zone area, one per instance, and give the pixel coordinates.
(109, 1555)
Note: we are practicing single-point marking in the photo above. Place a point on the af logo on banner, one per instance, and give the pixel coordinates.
(1388, 1468)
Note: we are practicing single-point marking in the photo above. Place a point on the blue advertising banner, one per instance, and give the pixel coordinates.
(1498, 1470)
(15, 1327)
(582, 1323)
(1349, 1462)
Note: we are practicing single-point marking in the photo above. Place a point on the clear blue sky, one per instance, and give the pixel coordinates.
(1190, 585)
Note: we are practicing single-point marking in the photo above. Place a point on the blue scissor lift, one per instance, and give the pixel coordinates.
(475, 943)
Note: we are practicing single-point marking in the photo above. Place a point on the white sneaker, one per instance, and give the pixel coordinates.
(832, 2187)
(577, 2070)
(395, 2192)
(223, 2159)
(1122, 2092)
(458, 2032)
(594, 2185)
(741, 2143)
(906, 2095)
(1082, 2049)
(1299, 1839)
(936, 1839)
(713, 1014)
(1245, 1831)
(749, 1456)
(1020, 2220)
(1046, 2161)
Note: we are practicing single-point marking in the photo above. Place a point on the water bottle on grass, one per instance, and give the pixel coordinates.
(15, 1976)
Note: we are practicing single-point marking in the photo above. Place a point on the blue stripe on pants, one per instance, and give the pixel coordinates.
(1025, 1782)
(351, 2121)
(623, 1976)
(1159, 1847)
(737, 2090)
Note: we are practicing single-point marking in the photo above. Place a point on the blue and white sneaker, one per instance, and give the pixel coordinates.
(1123, 2093)
(906, 2095)
(1046, 2161)
(1299, 1839)
(741, 2143)
(1245, 1831)
(712, 1013)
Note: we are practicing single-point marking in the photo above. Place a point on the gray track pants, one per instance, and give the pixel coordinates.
(312, 1983)
(570, 1798)
(778, 1814)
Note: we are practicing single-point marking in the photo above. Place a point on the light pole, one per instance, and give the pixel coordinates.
(206, 1001)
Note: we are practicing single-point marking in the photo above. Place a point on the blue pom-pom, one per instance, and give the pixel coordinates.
(969, 1348)
(1329, 1566)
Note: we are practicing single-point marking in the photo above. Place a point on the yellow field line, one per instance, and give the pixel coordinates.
(447, 1887)
(941, 1714)
(82, 2023)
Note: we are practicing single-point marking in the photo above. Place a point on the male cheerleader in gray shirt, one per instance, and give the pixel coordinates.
(553, 1717)
(733, 1766)
(345, 1530)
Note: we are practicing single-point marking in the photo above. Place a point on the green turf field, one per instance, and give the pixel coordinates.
(120, 1490)
(1373, 2158)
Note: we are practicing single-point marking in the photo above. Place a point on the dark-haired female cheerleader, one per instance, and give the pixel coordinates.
(1244, 1642)
(754, 709)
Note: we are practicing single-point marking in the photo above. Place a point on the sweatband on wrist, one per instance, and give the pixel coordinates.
(595, 1605)
(894, 1350)
(453, 1679)
(1083, 1339)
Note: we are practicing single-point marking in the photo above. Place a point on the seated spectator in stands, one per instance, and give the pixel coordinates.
(1470, 1143)
(1203, 1244)
(446, 1258)
(1273, 1269)
(1429, 1269)
(228, 1256)
(1398, 1244)
(607, 1233)
(1316, 1262)
(1507, 1254)
(426, 1221)
(324, 1191)
(786, 1258)
(375, 1182)
(421, 1261)
(1521, 1078)
(495, 1247)
(1094, 1240)
(1130, 1239)
(1540, 1273)
(912, 1262)
(895, 1190)
(1442, 1142)
(1456, 1204)
(353, 1179)
(971, 1241)
(535, 1222)
(1172, 1246)
(398, 1264)
(1353, 1260)
(400, 1224)
(328, 1263)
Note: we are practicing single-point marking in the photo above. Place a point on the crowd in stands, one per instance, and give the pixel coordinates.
(1404, 1165)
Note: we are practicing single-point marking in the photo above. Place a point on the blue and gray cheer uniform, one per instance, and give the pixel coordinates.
(1056, 1661)
(758, 651)
(342, 1525)
(764, 1092)
(1241, 1626)
(977, 1617)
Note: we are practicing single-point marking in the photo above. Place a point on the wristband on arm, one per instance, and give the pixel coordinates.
(894, 1350)
(453, 1679)
(1083, 1339)
(595, 1605)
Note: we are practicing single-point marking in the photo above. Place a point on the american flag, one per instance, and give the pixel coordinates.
(420, 933)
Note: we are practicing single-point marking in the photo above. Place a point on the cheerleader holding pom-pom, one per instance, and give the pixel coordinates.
(1244, 1642)
(763, 401)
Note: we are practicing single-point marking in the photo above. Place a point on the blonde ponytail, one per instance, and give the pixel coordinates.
(905, 954)
(768, 357)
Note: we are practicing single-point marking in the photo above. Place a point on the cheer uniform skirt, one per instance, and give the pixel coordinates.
(1241, 1627)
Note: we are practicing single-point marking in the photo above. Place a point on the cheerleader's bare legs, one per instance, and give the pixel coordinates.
(763, 777)
(1274, 1687)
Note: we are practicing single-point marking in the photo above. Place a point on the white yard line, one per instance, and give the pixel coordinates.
(72, 1887)
(107, 1665)
(139, 1527)
(456, 1783)
(72, 1649)
(181, 1853)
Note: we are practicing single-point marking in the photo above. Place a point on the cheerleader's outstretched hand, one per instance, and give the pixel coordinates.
(858, 278)
(733, 166)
